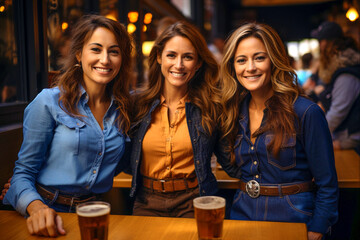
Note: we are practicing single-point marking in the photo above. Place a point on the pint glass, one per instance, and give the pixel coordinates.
(209, 215)
(93, 220)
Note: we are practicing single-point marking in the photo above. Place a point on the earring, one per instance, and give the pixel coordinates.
(78, 64)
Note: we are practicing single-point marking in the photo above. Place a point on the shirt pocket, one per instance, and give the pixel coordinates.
(287, 154)
(73, 126)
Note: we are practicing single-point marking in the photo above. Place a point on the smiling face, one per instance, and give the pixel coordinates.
(252, 65)
(179, 62)
(100, 58)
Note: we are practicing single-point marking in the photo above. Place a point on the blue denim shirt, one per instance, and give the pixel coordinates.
(308, 155)
(203, 148)
(64, 152)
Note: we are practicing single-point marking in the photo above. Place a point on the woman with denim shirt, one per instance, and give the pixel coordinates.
(281, 141)
(175, 130)
(75, 133)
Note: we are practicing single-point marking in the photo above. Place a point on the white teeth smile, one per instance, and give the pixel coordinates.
(178, 74)
(102, 69)
(252, 77)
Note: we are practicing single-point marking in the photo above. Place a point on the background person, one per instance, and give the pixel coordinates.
(74, 133)
(217, 47)
(305, 69)
(176, 126)
(282, 142)
(339, 95)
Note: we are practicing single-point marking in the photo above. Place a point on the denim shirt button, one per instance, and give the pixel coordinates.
(256, 176)
(255, 162)
(198, 162)
(252, 148)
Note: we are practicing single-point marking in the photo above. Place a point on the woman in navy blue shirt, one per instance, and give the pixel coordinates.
(75, 133)
(281, 140)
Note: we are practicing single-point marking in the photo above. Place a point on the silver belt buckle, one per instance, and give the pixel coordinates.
(253, 188)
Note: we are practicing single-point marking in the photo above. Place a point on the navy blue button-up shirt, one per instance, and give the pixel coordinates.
(60, 151)
(305, 156)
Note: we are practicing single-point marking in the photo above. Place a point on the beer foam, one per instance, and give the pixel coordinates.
(209, 202)
(93, 210)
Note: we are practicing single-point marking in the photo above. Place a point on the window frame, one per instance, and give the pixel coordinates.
(31, 41)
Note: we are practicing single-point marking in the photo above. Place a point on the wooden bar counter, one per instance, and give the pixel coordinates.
(13, 227)
(347, 164)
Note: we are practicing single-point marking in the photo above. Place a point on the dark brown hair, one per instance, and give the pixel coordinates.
(72, 76)
(202, 88)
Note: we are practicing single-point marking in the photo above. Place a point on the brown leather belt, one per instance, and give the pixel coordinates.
(276, 190)
(170, 185)
(63, 199)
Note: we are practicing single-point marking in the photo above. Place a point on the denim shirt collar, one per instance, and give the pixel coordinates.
(84, 98)
(244, 114)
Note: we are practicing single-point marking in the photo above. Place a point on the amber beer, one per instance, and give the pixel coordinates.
(93, 220)
(209, 215)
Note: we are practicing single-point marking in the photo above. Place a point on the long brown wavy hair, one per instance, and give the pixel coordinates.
(281, 116)
(72, 75)
(202, 88)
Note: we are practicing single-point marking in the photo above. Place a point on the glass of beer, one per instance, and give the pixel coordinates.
(209, 215)
(93, 219)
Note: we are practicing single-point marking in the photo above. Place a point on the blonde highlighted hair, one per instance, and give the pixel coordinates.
(281, 115)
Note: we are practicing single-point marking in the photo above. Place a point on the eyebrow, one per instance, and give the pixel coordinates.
(257, 53)
(171, 51)
(98, 44)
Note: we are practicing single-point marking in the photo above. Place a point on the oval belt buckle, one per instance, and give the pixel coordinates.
(253, 188)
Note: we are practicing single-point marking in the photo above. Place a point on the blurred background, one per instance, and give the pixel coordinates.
(34, 35)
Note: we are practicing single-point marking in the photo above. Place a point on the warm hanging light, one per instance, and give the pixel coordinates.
(131, 28)
(133, 17)
(144, 28)
(64, 26)
(352, 14)
(2, 5)
(147, 18)
(146, 47)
